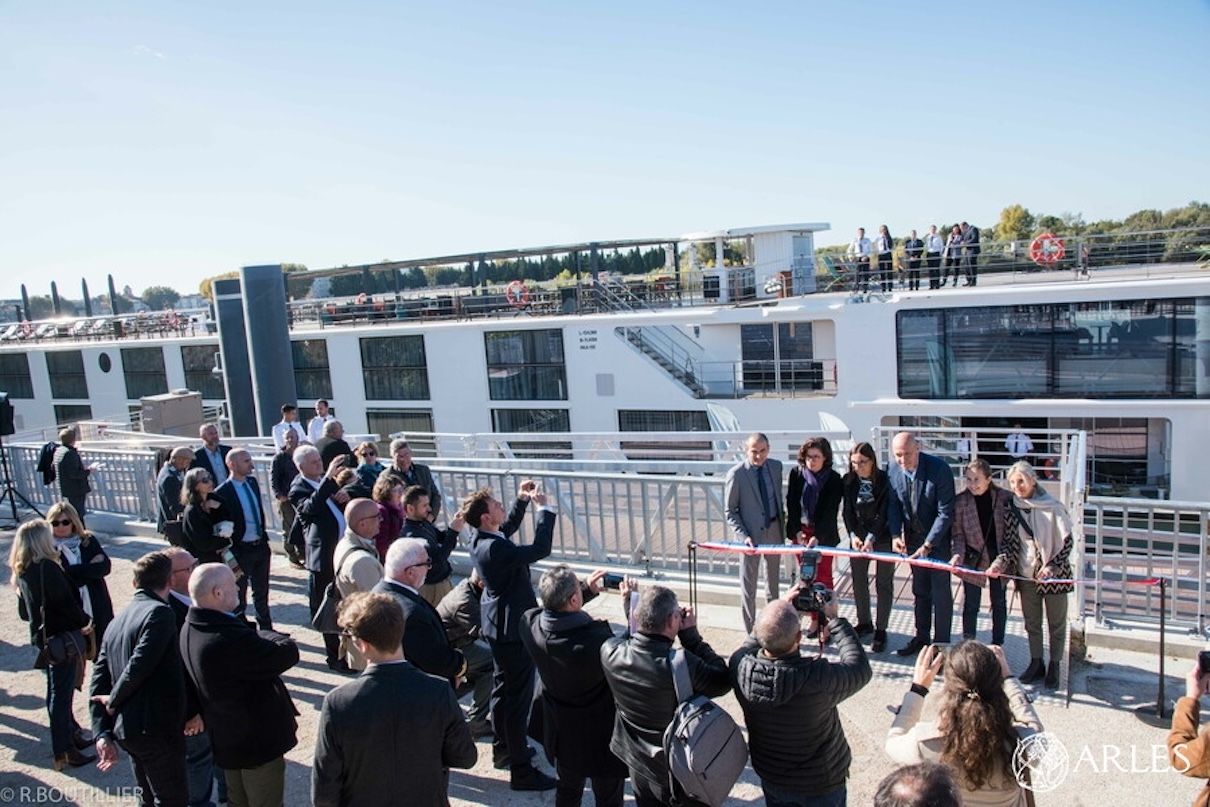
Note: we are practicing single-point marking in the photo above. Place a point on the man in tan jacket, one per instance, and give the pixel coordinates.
(356, 561)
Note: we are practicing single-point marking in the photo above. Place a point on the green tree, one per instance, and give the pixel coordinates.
(1016, 224)
(160, 297)
(206, 287)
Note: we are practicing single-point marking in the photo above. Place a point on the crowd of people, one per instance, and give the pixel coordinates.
(942, 257)
(187, 679)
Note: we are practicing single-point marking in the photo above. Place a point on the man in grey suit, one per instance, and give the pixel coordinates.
(391, 736)
(755, 514)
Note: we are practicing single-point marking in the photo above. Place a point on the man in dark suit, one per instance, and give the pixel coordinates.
(249, 539)
(237, 671)
(333, 445)
(424, 640)
(391, 736)
(459, 612)
(281, 476)
(319, 506)
(755, 515)
(923, 488)
(168, 485)
(413, 473)
(137, 692)
(507, 594)
(71, 472)
(970, 253)
(573, 709)
(211, 454)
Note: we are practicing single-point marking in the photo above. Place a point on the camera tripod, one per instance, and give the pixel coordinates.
(11, 494)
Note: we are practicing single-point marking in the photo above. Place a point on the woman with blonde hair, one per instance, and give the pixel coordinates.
(203, 512)
(982, 716)
(50, 602)
(369, 466)
(1037, 549)
(85, 563)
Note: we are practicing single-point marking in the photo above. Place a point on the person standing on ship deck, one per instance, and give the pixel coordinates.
(859, 251)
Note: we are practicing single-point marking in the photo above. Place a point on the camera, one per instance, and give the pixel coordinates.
(813, 596)
(1203, 662)
(612, 581)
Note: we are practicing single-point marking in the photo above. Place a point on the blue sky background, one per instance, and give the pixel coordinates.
(164, 142)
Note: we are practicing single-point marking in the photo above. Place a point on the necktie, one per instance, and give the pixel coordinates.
(764, 490)
(255, 525)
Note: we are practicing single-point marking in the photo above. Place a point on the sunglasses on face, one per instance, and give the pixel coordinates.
(64, 522)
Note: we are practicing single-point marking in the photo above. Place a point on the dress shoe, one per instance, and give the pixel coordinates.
(1052, 675)
(912, 648)
(82, 739)
(864, 629)
(879, 642)
(340, 666)
(502, 761)
(73, 758)
(480, 728)
(532, 779)
(1033, 672)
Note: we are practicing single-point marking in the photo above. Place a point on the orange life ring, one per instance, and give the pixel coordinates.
(1046, 249)
(517, 294)
(27, 328)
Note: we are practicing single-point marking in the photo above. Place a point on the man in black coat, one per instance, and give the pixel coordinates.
(168, 485)
(970, 253)
(137, 692)
(424, 640)
(639, 671)
(410, 473)
(795, 738)
(71, 472)
(250, 538)
(333, 445)
(441, 543)
(237, 671)
(319, 507)
(507, 594)
(391, 736)
(573, 711)
(459, 612)
(281, 476)
(211, 454)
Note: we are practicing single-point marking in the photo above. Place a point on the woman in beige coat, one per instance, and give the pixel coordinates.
(982, 716)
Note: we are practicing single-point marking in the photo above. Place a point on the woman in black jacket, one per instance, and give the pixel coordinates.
(85, 563)
(43, 589)
(812, 506)
(203, 511)
(867, 517)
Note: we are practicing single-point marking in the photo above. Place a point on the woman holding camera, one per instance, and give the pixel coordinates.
(50, 602)
(980, 524)
(1037, 546)
(203, 511)
(813, 499)
(868, 518)
(983, 714)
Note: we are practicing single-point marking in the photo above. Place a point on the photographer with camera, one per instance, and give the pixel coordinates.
(1189, 750)
(795, 738)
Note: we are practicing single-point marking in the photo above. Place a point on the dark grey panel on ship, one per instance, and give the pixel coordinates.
(268, 343)
(233, 343)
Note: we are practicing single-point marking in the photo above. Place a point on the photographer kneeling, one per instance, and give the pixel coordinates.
(795, 739)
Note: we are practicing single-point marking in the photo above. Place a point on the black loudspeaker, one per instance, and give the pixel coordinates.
(6, 416)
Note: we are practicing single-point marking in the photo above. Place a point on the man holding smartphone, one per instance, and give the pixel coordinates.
(1189, 751)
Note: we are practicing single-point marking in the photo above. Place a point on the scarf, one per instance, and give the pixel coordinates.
(69, 548)
(812, 485)
(1048, 519)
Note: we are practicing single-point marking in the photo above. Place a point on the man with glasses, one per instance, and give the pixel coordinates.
(424, 640)
(356, 562)
(409, 473)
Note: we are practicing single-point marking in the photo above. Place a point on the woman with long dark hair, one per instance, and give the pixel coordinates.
(870, 521)
(982, 715)
(203, 512)
(1037, 547)
(812, 505)
(50, 602)
(85, 563)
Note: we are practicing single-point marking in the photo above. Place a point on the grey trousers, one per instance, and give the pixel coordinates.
(749, 571)
(1032, 606)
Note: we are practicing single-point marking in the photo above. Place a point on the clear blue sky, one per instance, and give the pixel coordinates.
(168, 141)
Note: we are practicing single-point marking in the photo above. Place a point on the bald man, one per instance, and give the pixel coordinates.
(237, 671)
(250, 540)
(168, 485)
(356, 562)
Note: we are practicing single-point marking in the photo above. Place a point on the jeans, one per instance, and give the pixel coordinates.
(972, 599)
(199, 767)
(776, 797)
(60, 688)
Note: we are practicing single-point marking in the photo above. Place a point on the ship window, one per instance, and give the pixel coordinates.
(311, 377)
(66, 371)
(777, 359)
(394, 368)
(415, 424)
(535, 420)
(144, 371)
(198, 361)
(654, 420)
(14, 375)
(72, 413)
(526, 366)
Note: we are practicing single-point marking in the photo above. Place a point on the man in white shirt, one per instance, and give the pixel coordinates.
(1018, 444)
(934, 244)
(289, 422)
(315, 429)
(859, 251)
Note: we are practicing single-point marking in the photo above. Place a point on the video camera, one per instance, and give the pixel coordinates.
(812, 596)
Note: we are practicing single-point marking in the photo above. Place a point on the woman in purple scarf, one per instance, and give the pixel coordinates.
(812, 503)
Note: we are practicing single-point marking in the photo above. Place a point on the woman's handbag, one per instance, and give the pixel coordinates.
(324, 620)
(61, 647)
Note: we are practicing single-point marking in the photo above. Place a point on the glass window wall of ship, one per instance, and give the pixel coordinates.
(394, 368)
(779, 358)
(199, 364)
(14, 375)
(526, 366)
(668, 420)
(66, 371)
(1127, 349)
(312, 379)
(143, 368)
(415, 424)
(72, 413)
(535, 420)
